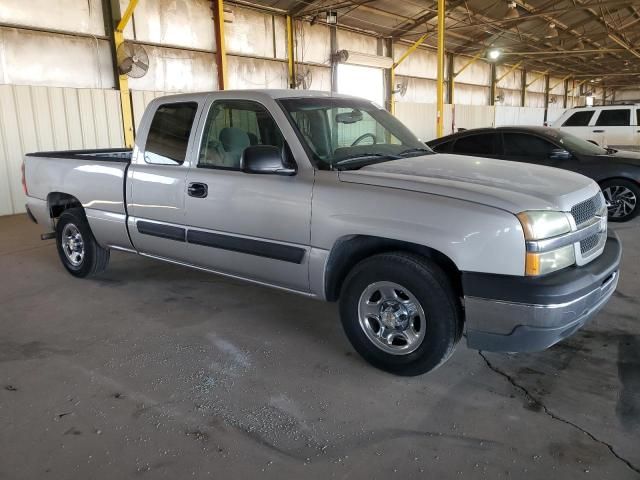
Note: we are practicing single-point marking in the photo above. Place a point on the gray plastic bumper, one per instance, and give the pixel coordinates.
(501, 325)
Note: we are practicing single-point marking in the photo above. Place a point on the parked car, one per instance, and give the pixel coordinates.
(616, 126)
(333, 198)
(617, 171)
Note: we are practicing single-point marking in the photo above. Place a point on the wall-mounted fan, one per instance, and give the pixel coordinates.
(401, 87)
(133, 60)
(304, 79)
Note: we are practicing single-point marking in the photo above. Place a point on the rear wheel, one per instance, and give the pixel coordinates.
(78, 249)
(622, 198)
(400, 313)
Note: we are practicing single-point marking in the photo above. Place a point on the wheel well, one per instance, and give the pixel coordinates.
(626, 179)
(59, 202)
(348, 252)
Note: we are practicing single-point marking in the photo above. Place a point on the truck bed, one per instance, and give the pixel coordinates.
(102, 154)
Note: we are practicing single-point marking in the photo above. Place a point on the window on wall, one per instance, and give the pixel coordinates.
(363, 82)
(481, 144)
(232, 126)
(614, 118)
(169, 133)
(523, 145)
(579, 119)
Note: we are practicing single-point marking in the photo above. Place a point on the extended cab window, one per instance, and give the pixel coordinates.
(614, 118)
(481, 144)
(523, 145)
(579, 119)
(232, 126)
(169, 132)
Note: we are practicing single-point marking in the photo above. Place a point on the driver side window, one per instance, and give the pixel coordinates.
(232, 126)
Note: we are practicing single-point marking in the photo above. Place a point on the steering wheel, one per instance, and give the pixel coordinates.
(362, 137)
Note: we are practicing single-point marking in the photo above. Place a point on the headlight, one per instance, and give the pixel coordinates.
(542, 225)
(538, 225)
(547, 262)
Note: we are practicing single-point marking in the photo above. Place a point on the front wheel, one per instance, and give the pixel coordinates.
(622, 199)
(78, 249)
(400, 313)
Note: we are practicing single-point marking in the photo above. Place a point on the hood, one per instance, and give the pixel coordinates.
(510, 186)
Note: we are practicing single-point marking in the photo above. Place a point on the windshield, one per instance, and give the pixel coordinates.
(343, 133)
(578, 145)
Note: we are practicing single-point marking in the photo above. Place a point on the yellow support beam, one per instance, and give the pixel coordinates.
(471, 61)
(440, 73)
(402, 58)
(123, 80)
(504, 75)
(537, 77)
(561, 81)
(221, 48)
(290, 50)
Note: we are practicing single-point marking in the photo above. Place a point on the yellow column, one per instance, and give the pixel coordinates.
(290, 53)
(123, 80)
(221, 49)
(440, 77)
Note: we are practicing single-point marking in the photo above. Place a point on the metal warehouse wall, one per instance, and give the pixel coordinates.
(57, 86)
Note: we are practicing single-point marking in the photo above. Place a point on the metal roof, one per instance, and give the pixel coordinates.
(595, 39)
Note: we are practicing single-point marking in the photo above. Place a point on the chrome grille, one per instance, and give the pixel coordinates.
(584, 211)
(590, 243)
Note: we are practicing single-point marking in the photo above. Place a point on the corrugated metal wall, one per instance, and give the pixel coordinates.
(48, 118)
(70, 101)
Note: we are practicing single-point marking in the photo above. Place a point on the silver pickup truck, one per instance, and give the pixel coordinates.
(332, 197)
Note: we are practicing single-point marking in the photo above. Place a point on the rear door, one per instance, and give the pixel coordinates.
(156, 180)
(613, 127)
(253, 226)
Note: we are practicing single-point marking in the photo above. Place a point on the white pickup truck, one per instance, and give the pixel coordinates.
(332, 197)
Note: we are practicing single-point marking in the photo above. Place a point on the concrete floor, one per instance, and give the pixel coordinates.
(157, 371)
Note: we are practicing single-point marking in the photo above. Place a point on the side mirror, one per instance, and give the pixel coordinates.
(559, 154)
(264, 159)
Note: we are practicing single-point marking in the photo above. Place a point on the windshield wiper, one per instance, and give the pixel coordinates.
(415, 150)
(364, 158)
(611, 150)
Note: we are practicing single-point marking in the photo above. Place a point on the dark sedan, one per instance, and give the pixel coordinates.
(617, 171)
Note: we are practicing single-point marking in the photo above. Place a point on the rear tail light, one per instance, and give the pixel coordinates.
(24, 181)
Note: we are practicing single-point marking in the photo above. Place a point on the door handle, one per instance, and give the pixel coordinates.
(598, 131)
(197, 190)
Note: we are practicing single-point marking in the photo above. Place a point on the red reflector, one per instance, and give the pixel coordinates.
(24, 181)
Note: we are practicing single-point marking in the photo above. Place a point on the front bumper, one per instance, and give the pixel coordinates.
(528, 314)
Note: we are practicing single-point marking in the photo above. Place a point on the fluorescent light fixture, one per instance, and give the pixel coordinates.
(363, 59)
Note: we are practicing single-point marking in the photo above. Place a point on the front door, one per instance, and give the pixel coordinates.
(254, 226)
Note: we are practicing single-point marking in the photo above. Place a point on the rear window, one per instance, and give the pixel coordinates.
(169, 133)
(614, 118)
(482, 144)
(443, 147)
(579, 119)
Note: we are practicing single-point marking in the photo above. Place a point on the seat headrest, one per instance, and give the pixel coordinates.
(234, 139)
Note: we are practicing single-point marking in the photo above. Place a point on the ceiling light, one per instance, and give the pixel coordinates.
(552, 31)
(580, 44)
(494, 53)
(332, 17)
(512, 11)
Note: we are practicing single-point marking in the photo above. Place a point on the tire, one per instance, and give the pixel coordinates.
(79, 252)
(624, 196)
(394, 287)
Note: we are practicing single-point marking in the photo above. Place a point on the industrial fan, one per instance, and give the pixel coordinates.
(133, 60)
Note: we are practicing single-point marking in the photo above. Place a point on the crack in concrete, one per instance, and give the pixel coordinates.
(554, 416)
